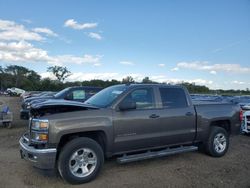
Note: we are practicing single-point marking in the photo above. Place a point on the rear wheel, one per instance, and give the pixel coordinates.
(218, 142)
(80, 160)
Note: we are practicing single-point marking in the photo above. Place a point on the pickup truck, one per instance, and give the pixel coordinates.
(133, 122)
(77, 93)
(15, 91)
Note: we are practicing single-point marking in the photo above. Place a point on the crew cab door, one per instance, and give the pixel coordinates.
(133, 128)
(177, 116)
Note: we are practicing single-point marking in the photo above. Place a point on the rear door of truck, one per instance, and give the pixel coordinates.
(176, 115)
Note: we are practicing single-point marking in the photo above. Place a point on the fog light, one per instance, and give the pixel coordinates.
(40, 137)
(43, 137)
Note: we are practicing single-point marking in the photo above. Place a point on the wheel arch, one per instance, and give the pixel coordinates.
(226, 124)
(99, 136)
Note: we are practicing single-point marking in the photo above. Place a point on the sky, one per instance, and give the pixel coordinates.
(201, 42)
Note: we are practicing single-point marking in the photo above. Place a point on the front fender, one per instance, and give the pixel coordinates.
(79, 122)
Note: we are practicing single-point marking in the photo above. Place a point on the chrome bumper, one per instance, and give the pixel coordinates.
(40, 158)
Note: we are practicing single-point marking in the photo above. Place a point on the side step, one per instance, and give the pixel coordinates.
(154, 154)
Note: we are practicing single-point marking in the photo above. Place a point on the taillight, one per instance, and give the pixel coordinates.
(241, 115)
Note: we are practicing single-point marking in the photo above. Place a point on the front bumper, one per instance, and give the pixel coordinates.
(25, 114)
(40, 158)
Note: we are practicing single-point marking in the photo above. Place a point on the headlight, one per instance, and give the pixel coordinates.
(39, 130)
(39, 124)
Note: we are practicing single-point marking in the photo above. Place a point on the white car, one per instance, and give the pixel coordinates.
(246, 107)
(245, 126)
(15, 91)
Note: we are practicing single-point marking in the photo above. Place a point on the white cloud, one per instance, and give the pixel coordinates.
(238, 82)
(127, 63)
(47, 75)
(175, 69)
(213, 72)
(161, 65)
(97, 64)
(21, 52)
(25, 52)
(9, 30)
(70, 59)
(212, 68)
(197, 81)
(45, 30)
(74, 25)
(96, 36)
(80, 76)
(27, 21)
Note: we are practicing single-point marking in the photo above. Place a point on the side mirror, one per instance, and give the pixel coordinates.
(127, 105)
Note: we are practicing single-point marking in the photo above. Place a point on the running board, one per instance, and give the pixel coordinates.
(154, 154)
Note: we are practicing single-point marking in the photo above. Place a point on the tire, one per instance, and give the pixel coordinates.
(218, 142)
(80, 160)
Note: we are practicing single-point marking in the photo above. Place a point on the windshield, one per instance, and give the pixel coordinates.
(60, 93)
(105, 97)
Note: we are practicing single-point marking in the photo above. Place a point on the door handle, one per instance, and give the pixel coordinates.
(189, 114)
(154, 116)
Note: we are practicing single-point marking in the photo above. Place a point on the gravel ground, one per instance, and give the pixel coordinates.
(184, 170)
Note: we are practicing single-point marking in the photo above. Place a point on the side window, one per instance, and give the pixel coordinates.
(173, 98)
(90, 92)
(143, 98)
(76, 95)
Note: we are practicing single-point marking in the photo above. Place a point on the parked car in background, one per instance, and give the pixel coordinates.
(15, 91)
(78, 93)
(241, 100)
(29, 94)
(246, 107)
(133, 122)
(245, 127)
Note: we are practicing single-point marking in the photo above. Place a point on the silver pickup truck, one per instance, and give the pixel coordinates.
(133, 122)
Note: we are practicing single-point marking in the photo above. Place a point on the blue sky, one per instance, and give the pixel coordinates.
(206, 42)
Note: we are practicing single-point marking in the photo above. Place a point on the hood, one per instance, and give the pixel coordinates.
(37, 98)
(58, 106)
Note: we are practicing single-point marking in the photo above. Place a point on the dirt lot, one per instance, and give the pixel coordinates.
(185, 170)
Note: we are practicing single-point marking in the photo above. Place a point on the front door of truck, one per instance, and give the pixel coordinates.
(133, 128)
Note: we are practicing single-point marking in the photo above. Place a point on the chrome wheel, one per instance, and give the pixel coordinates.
(82, 162)
(220, 143)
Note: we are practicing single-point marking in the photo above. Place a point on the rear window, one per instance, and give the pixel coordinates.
(173, 98)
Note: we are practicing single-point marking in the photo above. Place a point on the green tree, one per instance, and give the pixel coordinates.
(17, 73)
(128, 80)
(61, 73)
(146, 80)
(21, 77)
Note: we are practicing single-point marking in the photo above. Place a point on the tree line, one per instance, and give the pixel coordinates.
(29, 80)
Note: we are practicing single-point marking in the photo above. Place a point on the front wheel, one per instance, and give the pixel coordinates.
(80, 160)
(218, 142)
